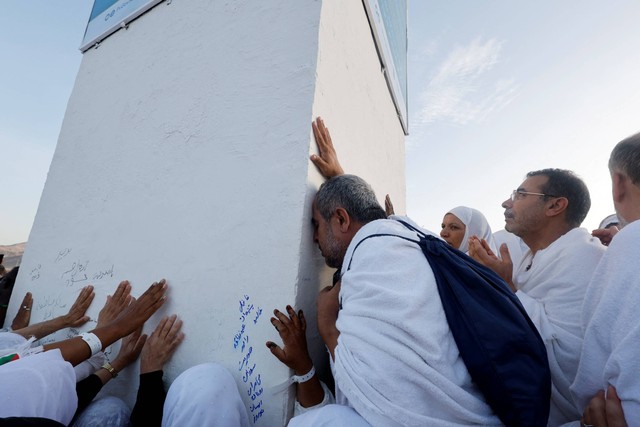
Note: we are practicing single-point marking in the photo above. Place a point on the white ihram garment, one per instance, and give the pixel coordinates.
(552, 292)
(611, 347)
(396, 362)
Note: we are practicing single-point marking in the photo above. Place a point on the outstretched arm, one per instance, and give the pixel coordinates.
(295, 355)
(74, 318)
(327, 160)
(75, 350)
(159, 348)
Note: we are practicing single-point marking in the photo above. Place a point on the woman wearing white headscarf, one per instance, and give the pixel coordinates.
(462, 222)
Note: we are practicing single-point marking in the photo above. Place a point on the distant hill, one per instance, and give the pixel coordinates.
(12, 254)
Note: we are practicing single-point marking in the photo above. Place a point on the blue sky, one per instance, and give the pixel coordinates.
(496, 89)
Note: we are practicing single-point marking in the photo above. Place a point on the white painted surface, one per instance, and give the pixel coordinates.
(184, 155)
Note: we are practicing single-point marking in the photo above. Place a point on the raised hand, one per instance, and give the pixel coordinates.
(115, 304)
(130, 349)
(480, 250)
(292, 330)
(140, 310)
(388, 206)
(161, 345)
(76, 315)
(23, 317)
(327, 160)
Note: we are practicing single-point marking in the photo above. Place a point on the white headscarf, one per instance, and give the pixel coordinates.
(204, 395)
(476, 225)
(40, 385)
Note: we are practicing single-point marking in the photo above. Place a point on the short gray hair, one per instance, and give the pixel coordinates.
(625, 158)
(351, 193)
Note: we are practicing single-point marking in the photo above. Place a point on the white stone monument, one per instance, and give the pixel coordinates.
(184, 154)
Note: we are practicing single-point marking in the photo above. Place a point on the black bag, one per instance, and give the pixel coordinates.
(498, 343)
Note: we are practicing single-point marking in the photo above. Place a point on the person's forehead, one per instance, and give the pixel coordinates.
(533, 183)
(451, 218)
(315, 213)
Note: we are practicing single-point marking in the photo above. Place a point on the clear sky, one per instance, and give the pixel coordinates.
(496, 89)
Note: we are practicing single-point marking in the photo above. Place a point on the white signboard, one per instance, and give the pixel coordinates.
(107, 16)
(388, 19)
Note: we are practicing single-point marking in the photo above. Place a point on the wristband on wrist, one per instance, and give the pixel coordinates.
(92, 341)
(111, 369)
(304, 378)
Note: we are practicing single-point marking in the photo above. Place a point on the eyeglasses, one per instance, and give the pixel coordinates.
(518, 194)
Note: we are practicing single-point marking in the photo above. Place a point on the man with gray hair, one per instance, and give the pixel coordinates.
(609, 359)
(394, 358)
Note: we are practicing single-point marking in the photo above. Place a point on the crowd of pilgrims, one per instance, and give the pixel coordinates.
(579, 288)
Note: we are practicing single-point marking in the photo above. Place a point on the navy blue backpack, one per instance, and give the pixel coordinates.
(498, 343)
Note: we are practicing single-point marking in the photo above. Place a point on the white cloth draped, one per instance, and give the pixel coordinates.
(396, 362)
(475, 225)
(204, 395)
(611, 316)
(40, 385)
(552, 292)
(517, 248)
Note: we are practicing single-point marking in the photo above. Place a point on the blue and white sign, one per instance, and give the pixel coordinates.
(388, 19)
(107, 16)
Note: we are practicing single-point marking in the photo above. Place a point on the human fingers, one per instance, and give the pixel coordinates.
(293, 316)
(163, 327)
(303, 321)
(132, 338)
(280, 327)
(388, 206)
(122, 290)
(317, 135)
(324, 131)
(613, 409)
(277, 351)
(122, 295)
(172, 328)
(283, 318)
(477, 251)
(151, 300)
(27, 301)
(594, 413)
(140, 342)
(84, 298)
(504, 253)
(487, 248)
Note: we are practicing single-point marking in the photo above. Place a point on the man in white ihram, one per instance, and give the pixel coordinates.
(610, 358)
(394, 359)
(551, 279)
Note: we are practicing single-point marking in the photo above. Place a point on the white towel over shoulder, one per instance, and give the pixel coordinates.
(552, 291)
(611, 348)
(396, 362)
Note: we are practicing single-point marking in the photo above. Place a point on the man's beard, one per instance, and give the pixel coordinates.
(332, 252)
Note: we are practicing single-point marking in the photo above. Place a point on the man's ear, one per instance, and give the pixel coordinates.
(618, 186)
(343, 218)
(556, 206)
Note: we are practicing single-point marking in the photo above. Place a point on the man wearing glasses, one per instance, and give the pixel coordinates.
(546, 211)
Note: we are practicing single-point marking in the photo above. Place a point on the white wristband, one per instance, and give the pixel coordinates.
(93, 342)
(304, 378)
